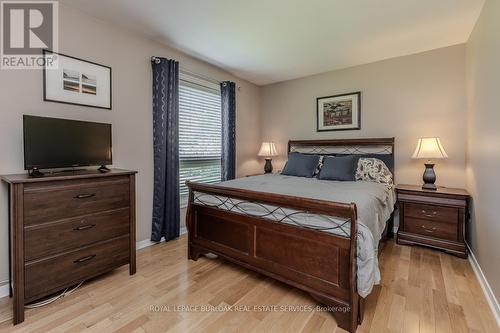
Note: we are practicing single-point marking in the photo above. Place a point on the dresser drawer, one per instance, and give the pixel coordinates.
(437, 229)
(430, 212)
(52, 238)
(55, 201)
(46, 276)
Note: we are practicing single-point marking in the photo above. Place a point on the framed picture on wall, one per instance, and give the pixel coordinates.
(77, 82)
(339, 112)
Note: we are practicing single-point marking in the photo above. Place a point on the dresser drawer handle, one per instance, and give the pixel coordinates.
(429, 230)
(85, 196)
(77, 261)
(84, 227)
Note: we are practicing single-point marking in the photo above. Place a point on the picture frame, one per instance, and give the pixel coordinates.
(77, 82)
(338, 112)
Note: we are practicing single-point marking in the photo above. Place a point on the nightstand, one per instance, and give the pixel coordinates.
(433, 218)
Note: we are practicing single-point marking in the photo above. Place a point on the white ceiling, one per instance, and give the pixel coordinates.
(266, 41)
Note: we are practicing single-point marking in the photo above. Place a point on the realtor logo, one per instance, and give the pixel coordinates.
(28, 27)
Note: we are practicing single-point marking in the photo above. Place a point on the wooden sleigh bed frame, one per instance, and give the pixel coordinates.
(322, 264)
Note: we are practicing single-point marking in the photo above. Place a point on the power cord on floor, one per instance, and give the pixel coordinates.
(66, 292)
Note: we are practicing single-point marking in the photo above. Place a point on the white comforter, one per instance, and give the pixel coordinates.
(374, 202)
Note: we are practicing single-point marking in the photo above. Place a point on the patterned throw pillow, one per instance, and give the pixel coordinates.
(320, 164)
(374, 170)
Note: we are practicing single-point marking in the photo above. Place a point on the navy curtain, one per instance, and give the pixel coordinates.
(228, 95)
(166, 205)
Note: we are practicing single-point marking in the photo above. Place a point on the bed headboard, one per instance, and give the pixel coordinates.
(381, 148)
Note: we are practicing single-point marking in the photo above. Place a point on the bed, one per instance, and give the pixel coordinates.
(319, 236)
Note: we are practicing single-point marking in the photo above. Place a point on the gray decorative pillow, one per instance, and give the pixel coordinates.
(300, 165)
(374, 170)
(342, 168)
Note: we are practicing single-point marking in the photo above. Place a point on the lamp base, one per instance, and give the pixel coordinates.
(268, 167)
(429, 187)
(429, 177)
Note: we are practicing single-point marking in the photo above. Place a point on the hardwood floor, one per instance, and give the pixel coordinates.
(422, 291)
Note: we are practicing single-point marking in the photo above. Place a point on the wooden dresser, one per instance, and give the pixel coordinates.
(67, 228)
(433, 218)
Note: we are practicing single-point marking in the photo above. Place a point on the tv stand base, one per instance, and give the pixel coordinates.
(103, 169)
(36, 173)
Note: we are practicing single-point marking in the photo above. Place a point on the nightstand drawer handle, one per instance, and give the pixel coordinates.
(432, 214)
(429, 230)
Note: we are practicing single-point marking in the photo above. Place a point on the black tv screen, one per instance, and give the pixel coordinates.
(61, 143)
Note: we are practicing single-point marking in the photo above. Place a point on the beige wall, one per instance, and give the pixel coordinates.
(131, 117)
(406, 97)
(483, 156)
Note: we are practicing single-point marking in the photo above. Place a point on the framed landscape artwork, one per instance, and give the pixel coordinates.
(339, 112)
(76, 81)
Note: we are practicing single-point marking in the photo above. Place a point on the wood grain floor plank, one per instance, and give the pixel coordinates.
(421, 291)
(382, 311)
(414, 273)
(427, 320)
(396, 314)
(328, 326)
(450, 278)
(457, 319)
(441, 311)
(411, 321)
(314, 323)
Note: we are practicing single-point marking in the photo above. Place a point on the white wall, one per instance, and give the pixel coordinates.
(129, 56)
(483, 154)
(406, 97)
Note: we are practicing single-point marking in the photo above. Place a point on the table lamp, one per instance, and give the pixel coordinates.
(268, 150)
(429, 149)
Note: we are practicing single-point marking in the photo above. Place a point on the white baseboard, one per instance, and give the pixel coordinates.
(488, 293)
(4, 289)
(145, 243)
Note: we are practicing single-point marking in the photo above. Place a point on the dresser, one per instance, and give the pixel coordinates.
(66, 228)
(433, 218)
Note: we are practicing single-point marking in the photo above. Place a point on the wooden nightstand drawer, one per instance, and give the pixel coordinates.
(437, 229)
(433, 218)
(430, 212)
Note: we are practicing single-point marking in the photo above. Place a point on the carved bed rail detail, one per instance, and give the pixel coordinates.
(320, 263)
(242, 226)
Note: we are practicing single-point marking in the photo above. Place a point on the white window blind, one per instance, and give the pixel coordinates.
(199, 132)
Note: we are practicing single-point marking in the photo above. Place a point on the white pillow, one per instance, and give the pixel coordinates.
(374, 170)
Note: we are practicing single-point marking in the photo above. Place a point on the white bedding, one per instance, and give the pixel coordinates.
(374, 202)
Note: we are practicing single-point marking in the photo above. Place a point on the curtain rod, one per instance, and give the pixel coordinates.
(183, 70)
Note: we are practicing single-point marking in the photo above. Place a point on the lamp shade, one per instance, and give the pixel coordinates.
(268, 149)
(429, 148)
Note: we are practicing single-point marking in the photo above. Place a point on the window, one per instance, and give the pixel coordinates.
(199, 132)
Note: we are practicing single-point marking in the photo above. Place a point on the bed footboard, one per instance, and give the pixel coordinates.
(319, 263)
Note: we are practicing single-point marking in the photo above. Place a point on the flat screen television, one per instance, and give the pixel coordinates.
(61, 143)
